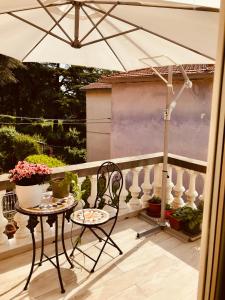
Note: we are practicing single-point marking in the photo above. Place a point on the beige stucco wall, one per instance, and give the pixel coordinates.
(98, 106)
(137, 113)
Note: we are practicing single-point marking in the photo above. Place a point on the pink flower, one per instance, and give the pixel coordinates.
(26, 173)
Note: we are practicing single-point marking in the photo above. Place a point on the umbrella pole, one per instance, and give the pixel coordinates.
(165, 146)
(162, 222)
(170, 105)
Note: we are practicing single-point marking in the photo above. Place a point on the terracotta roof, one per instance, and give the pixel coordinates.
(148, 73)
(96, 85)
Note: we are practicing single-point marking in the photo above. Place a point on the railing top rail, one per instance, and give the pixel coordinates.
(187, 163)
(91, 168)
(124, 163)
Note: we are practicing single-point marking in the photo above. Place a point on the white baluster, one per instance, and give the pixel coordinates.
(123, 195)
(92, 197)
(21, 220)
(170, 185)
(146, 186)
(191, 193)
(178, 189)
(135, 190)
(3, 221)
(202, 196)
(157, 183)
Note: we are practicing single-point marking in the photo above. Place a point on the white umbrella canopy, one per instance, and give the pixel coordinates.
(108, 34)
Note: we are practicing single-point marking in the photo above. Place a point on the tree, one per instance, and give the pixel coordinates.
(7, 67)
(47, 91)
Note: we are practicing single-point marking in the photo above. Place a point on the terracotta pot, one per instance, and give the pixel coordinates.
(154, 210)
(168, 213)
(29, 195)
(175, 223)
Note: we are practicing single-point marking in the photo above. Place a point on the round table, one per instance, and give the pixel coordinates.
(55, 207)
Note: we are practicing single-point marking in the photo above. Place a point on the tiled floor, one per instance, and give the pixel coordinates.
(157, 268)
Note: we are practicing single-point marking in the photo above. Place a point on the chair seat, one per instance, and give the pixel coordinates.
(90, 216)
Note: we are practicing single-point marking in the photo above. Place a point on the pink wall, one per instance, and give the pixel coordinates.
(137, 119)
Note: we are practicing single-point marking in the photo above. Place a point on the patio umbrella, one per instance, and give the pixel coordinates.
(117, 35)
(108, 34)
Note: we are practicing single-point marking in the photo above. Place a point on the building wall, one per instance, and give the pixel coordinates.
(98, 106)
(137, 114)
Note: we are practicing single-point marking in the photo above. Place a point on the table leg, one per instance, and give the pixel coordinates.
(63, 243)
(42, 241)
(32, 222)
(57, 256)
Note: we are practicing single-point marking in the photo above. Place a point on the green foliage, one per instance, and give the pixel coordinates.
(39, 138)
(72, 179)
(72, 137)
(69, 182)
(25, 145)
(201, 205)
(192, 217)
(168, 206)
(57, 88)
(15, 146)
(74, 155)
(128, 197)
(49, 161)
(86, 187)
(7, 67)
(155, 200)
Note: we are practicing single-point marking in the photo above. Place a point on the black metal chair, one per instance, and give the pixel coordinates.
(109, 186)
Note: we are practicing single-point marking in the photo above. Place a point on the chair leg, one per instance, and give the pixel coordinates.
(93, 269)
(106, 241)
(98, 237)
(78, 239)
(111, 240)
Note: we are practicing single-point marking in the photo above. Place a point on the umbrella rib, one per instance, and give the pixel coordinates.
(53, 18)
(95, 25)
(110, 36)
(114, 53)
(38, 27)
(28, 53)
(151, 32)
(36, 7)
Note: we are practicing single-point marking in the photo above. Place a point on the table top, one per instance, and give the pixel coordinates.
(49, 206)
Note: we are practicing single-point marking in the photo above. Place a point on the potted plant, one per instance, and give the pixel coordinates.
(193, 221)
(154, 207)
(188, 219)
(28, 178)
(62, 186)
(176, 219)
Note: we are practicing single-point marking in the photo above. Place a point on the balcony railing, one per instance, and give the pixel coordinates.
(143, 177)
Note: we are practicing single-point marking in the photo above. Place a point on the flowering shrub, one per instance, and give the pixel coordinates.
(26, 173)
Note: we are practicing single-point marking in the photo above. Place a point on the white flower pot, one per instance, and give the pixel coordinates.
(29, 196)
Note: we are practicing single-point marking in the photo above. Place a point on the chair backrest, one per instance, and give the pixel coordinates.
(8, 205)
(109, 186)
